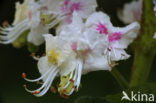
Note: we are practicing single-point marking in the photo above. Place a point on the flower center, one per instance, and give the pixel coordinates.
(53, 57)
(102, 29)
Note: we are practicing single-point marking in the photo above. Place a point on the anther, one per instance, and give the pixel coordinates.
(32, 54)
(71, 80)
(64, 77)
(109, 49)
(53, 89)
(36, 92)
(111, 65)
(123, 54)
(23, 75)
(64, 96)
(64, 91)
(24, 86)
(76, 90)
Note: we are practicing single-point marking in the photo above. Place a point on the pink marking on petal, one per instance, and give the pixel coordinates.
(115, 36)
(75, 7)
(65, 5)
(74, 46)
(66, 2)
(102, 28)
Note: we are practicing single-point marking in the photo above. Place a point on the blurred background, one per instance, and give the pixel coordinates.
(13, 62)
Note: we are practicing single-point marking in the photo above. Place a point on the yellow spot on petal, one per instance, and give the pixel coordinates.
(53, 57)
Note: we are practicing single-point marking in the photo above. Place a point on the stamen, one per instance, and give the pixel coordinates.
(123, 54)
(24, 86)
(38, 79)
(48, 85)
(36, 92)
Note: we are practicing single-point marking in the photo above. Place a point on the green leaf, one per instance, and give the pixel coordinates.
(148, 88)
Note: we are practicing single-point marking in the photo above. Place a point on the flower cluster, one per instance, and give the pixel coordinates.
(85, 40)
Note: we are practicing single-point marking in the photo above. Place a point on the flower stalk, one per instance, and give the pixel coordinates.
(120, 79)
(145, 46)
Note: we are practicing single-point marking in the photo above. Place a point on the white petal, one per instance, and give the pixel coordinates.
(35, 35)
(129, 33)
(119, 54)
(94, 63)
(44, 66)
(98, 17)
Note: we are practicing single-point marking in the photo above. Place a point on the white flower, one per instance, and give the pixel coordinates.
(27, 17)
(131, 12)
(87, 41)
(60, 60)
(62, 11)
(118, 38)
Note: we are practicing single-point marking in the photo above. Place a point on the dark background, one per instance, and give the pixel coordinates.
(14, 61)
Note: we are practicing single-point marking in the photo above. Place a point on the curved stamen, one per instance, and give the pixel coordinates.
(14, 33)
(36, 58)
(79, 73)
(44, 84)
(48, 86)
(71, 75)
(38, 79)
(14, 37)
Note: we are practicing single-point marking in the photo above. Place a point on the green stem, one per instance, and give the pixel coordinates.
(121, 80)
(145, 49)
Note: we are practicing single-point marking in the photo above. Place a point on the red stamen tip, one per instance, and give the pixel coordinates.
(64, 96)
(23, 75)
(36, 92)
(32, 54)
(71, 80)
(53, 89)
(24, 86)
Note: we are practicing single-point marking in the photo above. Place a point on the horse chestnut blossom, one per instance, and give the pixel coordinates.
(62, 10)
(131, 12)
(27, 17)
(118, 37)
(74, 51)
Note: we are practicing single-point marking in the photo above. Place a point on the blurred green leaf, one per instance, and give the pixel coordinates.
(148, 88)
(89, 99)
(21, 40)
